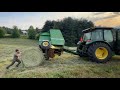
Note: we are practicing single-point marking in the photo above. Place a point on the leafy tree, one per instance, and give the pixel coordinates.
(20, 31)
(48, 25)
(31, 33)
(37, 36)
(71, 28)
(56, 24)
(7, 30)
(2, 32)
(15, 32)
(37, 30)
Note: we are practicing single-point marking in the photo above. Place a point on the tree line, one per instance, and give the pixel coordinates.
(71, 29)
(16, 33)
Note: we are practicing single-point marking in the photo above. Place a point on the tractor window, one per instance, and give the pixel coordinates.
(108, 35)
(97, 35)
(87, 36)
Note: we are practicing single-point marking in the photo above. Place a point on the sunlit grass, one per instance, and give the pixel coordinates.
(64, 66)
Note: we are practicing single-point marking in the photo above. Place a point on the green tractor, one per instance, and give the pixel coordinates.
(51, 43)
(99, 44)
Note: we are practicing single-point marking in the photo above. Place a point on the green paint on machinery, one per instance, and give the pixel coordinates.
(52, 43)
(99, 44)
(54, 36)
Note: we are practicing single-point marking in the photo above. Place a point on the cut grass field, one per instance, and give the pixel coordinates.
(65, 66)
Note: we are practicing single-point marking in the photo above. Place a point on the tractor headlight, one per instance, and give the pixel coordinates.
(45, 44)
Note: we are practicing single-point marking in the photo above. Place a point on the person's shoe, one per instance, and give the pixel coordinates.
(7, 67)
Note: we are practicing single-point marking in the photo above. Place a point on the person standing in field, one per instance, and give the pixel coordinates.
(16, 58)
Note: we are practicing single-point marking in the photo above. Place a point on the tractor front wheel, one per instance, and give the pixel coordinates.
(99, 52)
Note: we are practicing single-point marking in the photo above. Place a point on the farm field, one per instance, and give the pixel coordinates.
(65, 66)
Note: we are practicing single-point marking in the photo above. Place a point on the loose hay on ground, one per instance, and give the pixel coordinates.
(32, 57)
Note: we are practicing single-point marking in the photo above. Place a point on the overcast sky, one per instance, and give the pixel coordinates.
(24, 19)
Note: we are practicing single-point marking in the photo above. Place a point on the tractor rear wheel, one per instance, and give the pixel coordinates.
(82, 54)
(99, 52)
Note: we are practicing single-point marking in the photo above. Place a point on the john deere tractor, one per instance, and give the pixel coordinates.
(99, 44)
(51, 43)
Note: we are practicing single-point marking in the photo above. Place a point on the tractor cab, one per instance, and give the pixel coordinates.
(99, 43)
(98, 34)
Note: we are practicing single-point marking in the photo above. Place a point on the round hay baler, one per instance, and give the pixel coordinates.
(51, 43)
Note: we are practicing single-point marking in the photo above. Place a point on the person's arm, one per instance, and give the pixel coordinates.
(19, 56)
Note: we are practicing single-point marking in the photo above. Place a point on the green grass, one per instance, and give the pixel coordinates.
(8, 46)
(65, 66)
(24, 36)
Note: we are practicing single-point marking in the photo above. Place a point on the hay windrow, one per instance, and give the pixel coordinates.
(32, 57)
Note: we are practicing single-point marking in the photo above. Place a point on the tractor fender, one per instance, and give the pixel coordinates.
(90, 43)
